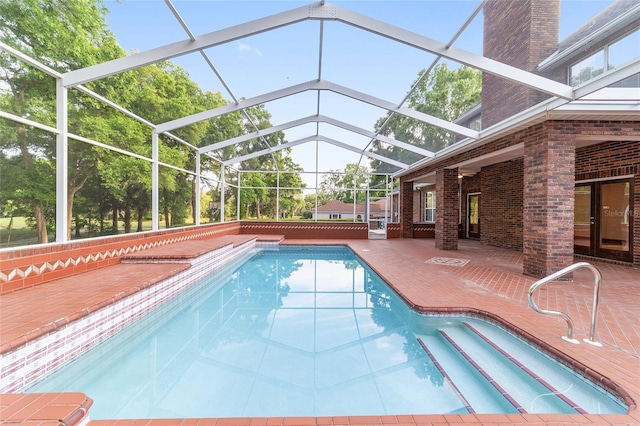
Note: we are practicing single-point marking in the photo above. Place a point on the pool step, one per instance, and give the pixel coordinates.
(465, 380)
(447, 378)
(486, 375)
(526, 369)
(516, 383)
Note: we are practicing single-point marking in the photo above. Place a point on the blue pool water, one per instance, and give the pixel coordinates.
(313, 332)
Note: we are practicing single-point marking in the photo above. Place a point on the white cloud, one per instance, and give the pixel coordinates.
(244, 47)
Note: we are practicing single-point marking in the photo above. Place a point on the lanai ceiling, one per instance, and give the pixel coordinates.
(313, 103)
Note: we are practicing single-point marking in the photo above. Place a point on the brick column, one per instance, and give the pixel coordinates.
(635, 216)
(406, 209)
(447, 205)
(548, 203)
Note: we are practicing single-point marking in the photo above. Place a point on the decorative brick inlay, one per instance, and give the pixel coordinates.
(44, 263)
(448, 261)
(424, 230)
(393, 230)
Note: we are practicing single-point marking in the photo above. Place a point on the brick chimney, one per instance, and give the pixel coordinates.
(520, 33)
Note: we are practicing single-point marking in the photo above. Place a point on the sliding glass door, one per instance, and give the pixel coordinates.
(603, 219)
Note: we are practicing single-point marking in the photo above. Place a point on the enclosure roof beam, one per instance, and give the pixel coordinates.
(359, 151)
(605, 80)
(214, 38)
(226, 109)
(318, 119)
(316, 85)
(313, 139)
(269, 150)
(373, 135)
(487, 65)
(322, 12)
(390, 106)
(254, 135)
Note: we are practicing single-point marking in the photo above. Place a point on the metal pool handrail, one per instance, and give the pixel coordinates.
(596, 301)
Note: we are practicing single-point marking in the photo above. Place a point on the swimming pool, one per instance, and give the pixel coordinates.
(309, 331)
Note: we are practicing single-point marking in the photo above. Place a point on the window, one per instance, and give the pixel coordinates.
(587, 69)
(430, 206)
(624, 50)
(608, 58)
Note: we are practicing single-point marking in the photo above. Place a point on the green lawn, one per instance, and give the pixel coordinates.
(20, 234)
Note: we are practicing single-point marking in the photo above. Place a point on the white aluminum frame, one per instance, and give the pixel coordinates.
(562, 95)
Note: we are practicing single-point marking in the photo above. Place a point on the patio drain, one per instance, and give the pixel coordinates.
(449, 261)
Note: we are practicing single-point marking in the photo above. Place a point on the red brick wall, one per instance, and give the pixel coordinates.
(603, 160)
(501, 204)
(418, 206)
(406, 209)
(424, 230)
(33, 265)
(29, 266)
(636, 221)
(393, 230)
(308, 230)
(548, 218)
(519, 33)
(579, 129)
(447, 209)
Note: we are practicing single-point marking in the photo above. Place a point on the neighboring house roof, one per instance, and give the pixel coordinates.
(618, 15)
(336, 206)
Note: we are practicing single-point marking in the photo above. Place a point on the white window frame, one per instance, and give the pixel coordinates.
(430, 210)
(605, 52)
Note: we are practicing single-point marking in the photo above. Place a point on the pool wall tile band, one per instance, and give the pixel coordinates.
(24, 365)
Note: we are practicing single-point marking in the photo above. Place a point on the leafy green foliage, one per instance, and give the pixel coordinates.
(445, 94)
(338, 185)
(103, 184)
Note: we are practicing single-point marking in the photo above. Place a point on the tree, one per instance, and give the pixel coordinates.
(290, 183)
(158, 93)
(445, 94)
(81, 39)
(337, 185)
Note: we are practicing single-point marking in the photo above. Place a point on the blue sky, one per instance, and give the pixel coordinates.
(289, 55)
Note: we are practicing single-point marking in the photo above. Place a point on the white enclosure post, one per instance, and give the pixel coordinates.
(196, 214)
(222, 189)
(62, 162)
(315, 219)
(277, 195)
(355, 195)
(155, 205)
(238, 197)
